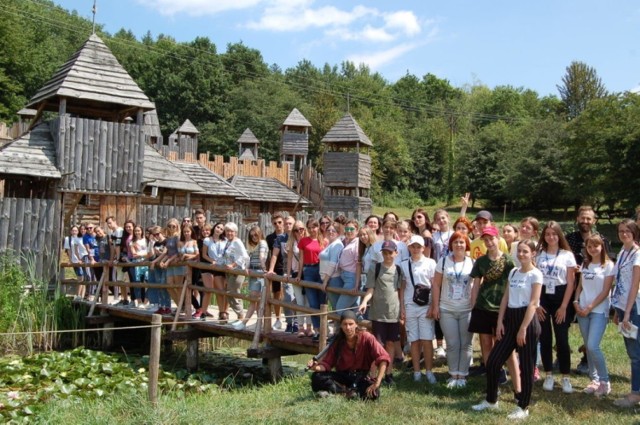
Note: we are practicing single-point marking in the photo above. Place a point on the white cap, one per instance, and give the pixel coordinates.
(416, 239)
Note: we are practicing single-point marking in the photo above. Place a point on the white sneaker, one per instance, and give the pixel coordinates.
(461, 383)
(548, 383)
(417, 376)
(519, 413)
(277, 325)
(484, 406)
(567, 388)
(440, 353)
(239, 325)
(431, 378)
(452, 383)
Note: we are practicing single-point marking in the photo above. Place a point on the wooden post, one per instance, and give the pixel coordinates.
(192, 355)
(261, 310)
(181, 301)
(154, 358)
(105, 273)
(107, 333)
(324, 327)
(275, 368)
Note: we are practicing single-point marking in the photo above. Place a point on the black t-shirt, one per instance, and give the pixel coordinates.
(271, 239)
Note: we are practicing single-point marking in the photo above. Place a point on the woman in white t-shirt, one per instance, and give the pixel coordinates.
(452, 306)
(70, 242)
(517, 329)
(558, 266)
(441, 236)
(592, 307)
(625, 300)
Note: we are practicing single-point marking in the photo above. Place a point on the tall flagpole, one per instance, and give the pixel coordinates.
(94, 10)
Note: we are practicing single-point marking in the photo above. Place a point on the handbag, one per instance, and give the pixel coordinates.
(420, 292)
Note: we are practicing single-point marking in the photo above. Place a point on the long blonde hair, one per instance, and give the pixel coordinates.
(297, 225)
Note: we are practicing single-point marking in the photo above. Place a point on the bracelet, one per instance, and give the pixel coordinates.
(576, 301)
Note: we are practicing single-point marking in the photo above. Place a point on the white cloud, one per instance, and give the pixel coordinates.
(635, 90)
(198, 7)
(405, 21)
(376, 60)
(297, 15)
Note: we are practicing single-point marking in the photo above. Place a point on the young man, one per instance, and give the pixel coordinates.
(383, 284)
(484, 219)
(275, 239)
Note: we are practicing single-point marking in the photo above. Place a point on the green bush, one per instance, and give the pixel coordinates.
(403, 198)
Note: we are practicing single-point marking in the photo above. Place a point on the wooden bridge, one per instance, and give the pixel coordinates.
(266, 343)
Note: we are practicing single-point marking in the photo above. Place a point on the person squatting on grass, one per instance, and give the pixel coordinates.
(352, 354)
(517, 328)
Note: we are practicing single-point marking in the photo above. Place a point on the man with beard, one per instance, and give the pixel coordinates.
(586, 220)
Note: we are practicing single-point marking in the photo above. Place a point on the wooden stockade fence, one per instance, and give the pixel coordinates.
(275, 344)
(30, 228)
(99, 156)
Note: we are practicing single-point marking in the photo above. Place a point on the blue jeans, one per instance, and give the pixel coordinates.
(158, 296)
(592, 329)
(334, 282)
(315, 296)
(347, 301)
(633, 349)
(289, 297)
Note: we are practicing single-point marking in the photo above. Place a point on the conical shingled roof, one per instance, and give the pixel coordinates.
(347, 132)
(248, 137)
(247, 155)
(92, 79)
(187, 128)
(296, 119)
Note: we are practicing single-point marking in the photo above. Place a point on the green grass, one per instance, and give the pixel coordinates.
(292, 402)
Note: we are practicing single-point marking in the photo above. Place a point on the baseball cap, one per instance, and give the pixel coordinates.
(389, 246)
(416, 239)
(490, 231)
(484, 214)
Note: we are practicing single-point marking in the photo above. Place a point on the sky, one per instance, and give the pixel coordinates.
(525, 44)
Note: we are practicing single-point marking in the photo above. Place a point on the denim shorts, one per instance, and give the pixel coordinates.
(256, 284)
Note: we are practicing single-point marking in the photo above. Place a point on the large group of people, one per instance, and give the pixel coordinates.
(424, 282)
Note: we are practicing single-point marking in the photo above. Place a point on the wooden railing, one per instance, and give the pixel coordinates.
(265, 301)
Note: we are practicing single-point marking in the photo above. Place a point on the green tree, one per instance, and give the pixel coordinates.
(580, 85)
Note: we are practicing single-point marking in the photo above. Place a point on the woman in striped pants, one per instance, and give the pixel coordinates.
(518, 328)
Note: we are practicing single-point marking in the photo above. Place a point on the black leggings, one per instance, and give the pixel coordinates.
(551, 303)
(526, 354)
(343, 382)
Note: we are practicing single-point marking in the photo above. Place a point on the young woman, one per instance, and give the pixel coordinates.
(74, 237)
(325, 222)
(175, 275)
(510, 234)
(389, 228)
(125, 257)
(214, 246)
(442, 235)
(558, 266)
(139, 252)
(528, 230)
(403, 231)
(329, 257)
(418, 271)
(348, 266)
(490, 277)
(310, 247)
(452, 306)
(422, 227)
(625, 300)
(352, 354)
(293, 271)
(188, 249)
(464, 226)
(207, 275)
(234, 256)
(592, 308)
(517, 329)
(258, 251)
(374, 223)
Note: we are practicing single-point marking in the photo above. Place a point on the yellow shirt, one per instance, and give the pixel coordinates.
(478, 249)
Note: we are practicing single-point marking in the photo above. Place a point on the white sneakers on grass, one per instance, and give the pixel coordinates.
(518, 414)
(485, 405)
(549, 383)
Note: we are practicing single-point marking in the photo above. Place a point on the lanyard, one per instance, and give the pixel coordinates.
(456, 273)
(553, 265)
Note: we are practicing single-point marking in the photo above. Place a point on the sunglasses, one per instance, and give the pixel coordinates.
(173, 226)
(300, 229)
(349, 229)
(277, 222)
(324, 223)
(155, 234)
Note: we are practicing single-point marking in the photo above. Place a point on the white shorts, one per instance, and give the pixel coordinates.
(420, 328)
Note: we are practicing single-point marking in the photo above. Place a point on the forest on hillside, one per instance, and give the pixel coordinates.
(431, 140)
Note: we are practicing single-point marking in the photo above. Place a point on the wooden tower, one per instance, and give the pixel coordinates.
(347, 168)
(183, 141)
(248, 146)
(294, 141)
